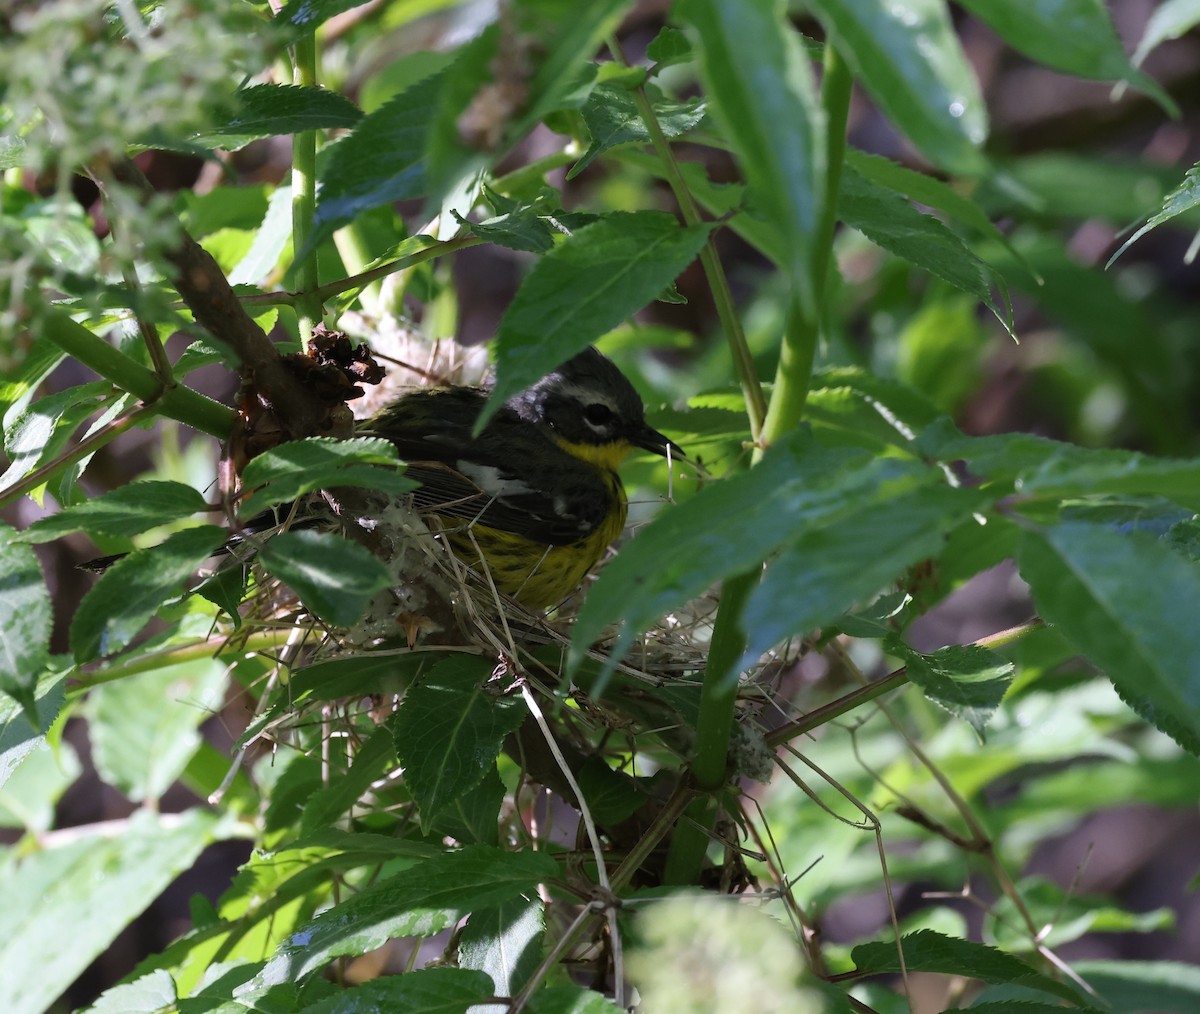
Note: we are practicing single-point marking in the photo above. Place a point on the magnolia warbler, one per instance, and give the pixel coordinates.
(536, 494)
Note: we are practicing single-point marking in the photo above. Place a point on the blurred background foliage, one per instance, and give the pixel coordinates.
(1096, 810)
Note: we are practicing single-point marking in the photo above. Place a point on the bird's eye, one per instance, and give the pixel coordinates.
(598, 415)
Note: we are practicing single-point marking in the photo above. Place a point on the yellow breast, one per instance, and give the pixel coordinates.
(537, 575)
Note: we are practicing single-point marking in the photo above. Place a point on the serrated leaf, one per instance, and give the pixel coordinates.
(87, 892)
(928, 951)
(505, 943)
(761, 92)
(145, 728)
(726, 529)
(420, 901)
(381, 161)
(147, 994)
(422, 991)
(1041, 468)
(474, 817)
(124, 512)
(853, 553)
(19, 736)
(268, 110)
(887, 219)
(134, 588)
(1182, 199)
(42, 430)
(334, 577)
(300, 466)
(1125, 602)
(345, 789)
(449, 729)
(587, 285)
(967, 680)
(908, 57)
(612, 118)
(25, 620)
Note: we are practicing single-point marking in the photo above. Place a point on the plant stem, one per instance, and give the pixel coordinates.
(794, 374)
(177, 402)
(786, 408)
(718, 693)
(756, 406)
(304, 197)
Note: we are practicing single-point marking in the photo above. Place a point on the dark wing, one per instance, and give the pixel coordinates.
(511, 477)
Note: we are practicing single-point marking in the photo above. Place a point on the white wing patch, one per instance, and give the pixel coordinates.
(491, 480)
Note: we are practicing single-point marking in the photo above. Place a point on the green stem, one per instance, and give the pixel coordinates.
(756, 406)
(304, 197)
(86, 446)
(794, 374)
(788, 398)
(718, 693)
(177, 402)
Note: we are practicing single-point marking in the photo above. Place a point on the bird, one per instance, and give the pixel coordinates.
(535, 496)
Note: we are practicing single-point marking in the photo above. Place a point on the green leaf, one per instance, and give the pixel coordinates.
(334, 577)
(967, 680)
(887, 219)
(1073, 36)
(29, 799)
(910, 60)
(849, 554)
(1131, 986)
(587, 285)
(1044, 469)
(928, 951)
(1067, 916)
(25, 621)
(127, 511)
(670, 46)
(571, 1000)
(147, 994)
(518, 226)
(144, 729)
(422, 991)
(420, 901)
(42, 430)
(1126, 603)
(1180, 200)
(305, 16)
(505, 942)
(345, 789)
(300, 466)
(134, 588)
(612, 118)
(381, 161)
(87, 892)
(474, 817)
(562, 79)
(1170, 20)
(761, 91)
(924, 189)
(727, 528)
(268, 110)
(18, 735)
(449, 730)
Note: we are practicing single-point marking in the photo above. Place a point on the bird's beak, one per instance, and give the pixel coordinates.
(649, 439)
